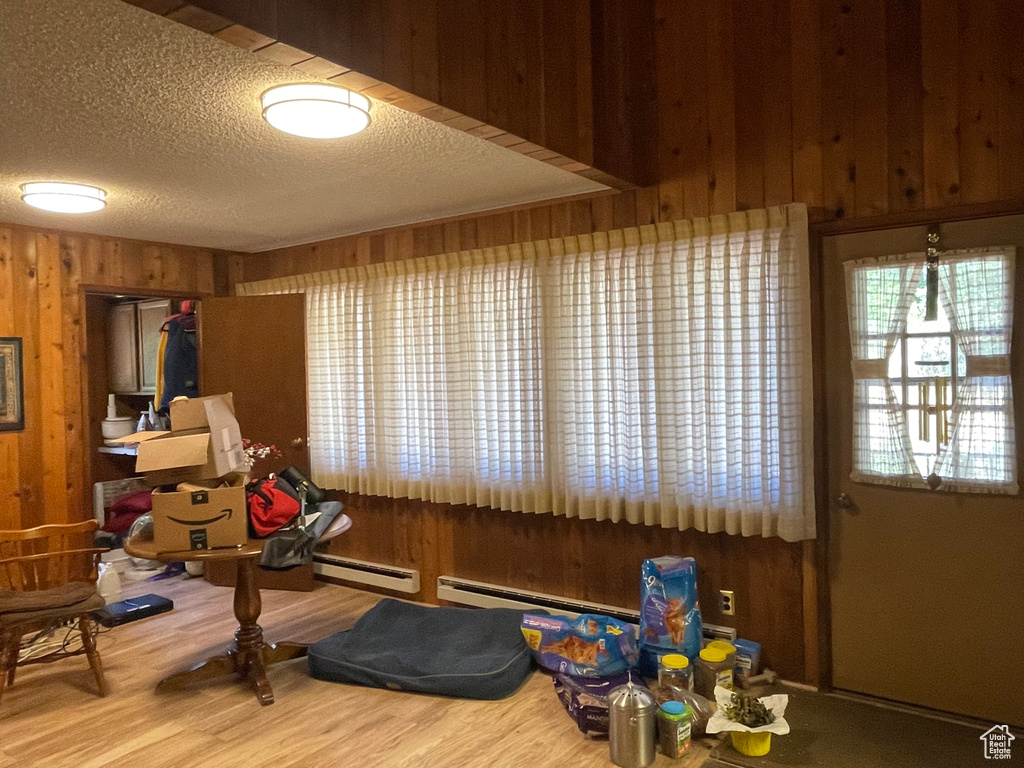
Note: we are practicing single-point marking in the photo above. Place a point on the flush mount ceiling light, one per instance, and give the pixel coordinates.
(316, 110)
(59, 197)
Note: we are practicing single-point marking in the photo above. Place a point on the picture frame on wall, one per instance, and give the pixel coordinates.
(12, 385)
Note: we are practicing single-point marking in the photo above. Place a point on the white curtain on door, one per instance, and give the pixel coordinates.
(977, 294)
(659, 375)
(879, 294)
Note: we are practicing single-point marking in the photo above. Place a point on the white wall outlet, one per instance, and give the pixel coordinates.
(727, 602)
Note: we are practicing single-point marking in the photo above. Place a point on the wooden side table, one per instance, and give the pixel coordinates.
(251, 656)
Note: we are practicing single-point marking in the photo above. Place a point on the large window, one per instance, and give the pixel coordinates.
(658, 375)
(933, 400)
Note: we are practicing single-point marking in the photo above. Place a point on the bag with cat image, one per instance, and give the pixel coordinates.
(587, 646)
(669, 610)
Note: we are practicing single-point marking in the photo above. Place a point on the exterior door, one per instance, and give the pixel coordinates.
(926, 587)
(255, 348)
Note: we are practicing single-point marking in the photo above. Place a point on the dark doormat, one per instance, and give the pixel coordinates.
(836, 732)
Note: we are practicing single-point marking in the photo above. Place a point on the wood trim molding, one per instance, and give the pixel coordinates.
(319, 68)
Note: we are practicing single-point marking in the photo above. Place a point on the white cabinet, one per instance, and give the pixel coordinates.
(133, 338)
(151, 316)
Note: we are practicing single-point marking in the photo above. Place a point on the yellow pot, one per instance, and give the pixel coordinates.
(751, 744)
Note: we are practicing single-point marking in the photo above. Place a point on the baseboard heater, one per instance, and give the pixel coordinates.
(482, 595)
(405, 580)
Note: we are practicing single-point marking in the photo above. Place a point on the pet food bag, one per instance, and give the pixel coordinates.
(669, 610)
(588, 646)
(586, 698)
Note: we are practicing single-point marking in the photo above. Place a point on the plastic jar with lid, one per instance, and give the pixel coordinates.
(729, 648)
(674, 728)
(674, 670)
(712, 669)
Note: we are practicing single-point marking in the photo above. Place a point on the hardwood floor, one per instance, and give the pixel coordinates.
(52, 716)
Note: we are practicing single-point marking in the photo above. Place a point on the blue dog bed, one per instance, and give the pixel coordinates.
(462, 652)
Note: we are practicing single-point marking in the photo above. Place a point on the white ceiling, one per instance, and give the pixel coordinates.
(167, 120)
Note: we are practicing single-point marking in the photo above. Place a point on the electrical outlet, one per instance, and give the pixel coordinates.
(727, 602)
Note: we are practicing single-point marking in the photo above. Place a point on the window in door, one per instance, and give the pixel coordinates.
(933, 401)
(924, 379)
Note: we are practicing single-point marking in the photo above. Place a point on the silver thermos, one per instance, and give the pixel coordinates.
(631, 711)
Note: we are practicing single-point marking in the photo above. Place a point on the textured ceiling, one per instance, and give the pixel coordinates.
(167, 120)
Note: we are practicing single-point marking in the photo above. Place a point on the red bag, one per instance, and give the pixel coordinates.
(124, 511)
(273, 504)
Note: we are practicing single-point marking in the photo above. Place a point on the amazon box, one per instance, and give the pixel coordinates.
(204, 443)
(202, 515)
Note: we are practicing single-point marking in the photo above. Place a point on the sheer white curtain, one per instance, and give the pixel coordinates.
(660, 375)
(425, 378)
(879, 292)
(977, 294)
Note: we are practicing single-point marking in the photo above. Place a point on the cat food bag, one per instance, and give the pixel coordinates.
(669, 611)
(587, 646)
(586, 698)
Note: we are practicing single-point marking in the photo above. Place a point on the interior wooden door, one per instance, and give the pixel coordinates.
(255, 348)
(925, 585)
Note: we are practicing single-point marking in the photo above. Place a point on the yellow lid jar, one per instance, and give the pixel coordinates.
(674, 671)
(712, 669)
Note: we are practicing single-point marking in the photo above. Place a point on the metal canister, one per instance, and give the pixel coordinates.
(631, 712)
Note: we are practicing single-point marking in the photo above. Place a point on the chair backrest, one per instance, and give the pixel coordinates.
(48, 556)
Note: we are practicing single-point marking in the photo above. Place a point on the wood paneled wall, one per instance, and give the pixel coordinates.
(598, 561)
(43, 277)
(860, 109)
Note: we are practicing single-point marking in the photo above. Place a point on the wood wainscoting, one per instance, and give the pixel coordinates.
(44, 276)
(592, 560)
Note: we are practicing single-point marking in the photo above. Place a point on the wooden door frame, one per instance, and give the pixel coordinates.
(816, 554)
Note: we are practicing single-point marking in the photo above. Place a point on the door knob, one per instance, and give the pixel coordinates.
(843, 501)
(297, 442)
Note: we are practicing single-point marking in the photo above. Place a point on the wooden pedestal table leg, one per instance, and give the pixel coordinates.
(249, 635)
(246, 658)
(251, 656)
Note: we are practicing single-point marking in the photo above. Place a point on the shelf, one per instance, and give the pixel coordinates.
(119, 450)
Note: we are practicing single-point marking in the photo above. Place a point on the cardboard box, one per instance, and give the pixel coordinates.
(204, 443)
(188, 414)
(224, 573)
(201, 517)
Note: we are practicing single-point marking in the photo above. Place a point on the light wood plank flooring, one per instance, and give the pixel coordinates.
(52, 717)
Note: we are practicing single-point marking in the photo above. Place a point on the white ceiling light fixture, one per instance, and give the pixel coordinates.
(316, 110)
(61, 197)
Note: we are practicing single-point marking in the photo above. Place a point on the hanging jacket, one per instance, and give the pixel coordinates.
(181, 366)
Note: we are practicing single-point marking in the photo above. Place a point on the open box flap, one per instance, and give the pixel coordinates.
(190, 413)
(172, 452)
(139, 437)
(225, 436)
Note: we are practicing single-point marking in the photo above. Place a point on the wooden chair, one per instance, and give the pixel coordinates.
(47, 579)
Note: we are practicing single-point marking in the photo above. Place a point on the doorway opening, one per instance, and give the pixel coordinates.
(122, 376)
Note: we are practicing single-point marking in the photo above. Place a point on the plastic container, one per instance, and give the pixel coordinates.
(674, 670)
(118, 559)
(748, 658)
(712, 669)
(729, 648)
(674, 728)
(751, 744)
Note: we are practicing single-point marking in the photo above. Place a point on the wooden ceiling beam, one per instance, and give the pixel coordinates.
(525, 75)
